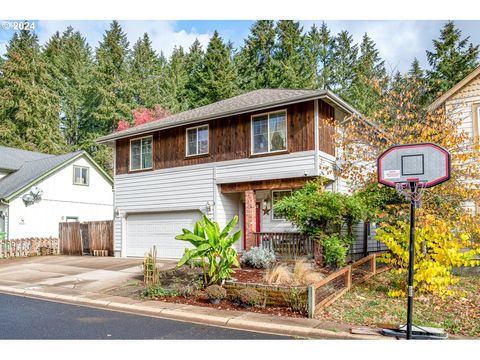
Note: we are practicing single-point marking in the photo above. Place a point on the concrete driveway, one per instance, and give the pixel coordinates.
(71, 274)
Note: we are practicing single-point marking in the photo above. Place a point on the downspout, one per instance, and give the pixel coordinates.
(7, 217)
(316, 170)
(215, 189)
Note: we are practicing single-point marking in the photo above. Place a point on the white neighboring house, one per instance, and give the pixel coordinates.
(463, 102)
(38, 191)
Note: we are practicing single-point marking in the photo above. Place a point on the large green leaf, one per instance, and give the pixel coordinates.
(229, 227)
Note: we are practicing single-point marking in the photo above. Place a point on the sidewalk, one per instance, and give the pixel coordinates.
(304, 328)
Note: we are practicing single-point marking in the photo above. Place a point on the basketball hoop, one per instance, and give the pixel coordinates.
(412, 190)
(410, 169)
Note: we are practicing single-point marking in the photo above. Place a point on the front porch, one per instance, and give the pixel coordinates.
(260, 225)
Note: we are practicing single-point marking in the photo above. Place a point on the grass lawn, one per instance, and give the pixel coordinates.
(368, 304)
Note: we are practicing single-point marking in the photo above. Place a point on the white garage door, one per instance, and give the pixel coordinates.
(159, 229)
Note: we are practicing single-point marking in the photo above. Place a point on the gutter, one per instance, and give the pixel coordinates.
(320, 95)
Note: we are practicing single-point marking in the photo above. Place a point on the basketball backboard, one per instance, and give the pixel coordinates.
(426, 164)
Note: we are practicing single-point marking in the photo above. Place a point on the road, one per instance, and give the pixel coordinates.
(25, 318)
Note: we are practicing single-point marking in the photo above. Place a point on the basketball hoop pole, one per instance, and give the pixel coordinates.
(413, 205)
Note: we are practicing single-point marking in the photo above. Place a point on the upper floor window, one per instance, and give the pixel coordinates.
(80, 175)
(141, 153)
(197, 140)
(269, 132)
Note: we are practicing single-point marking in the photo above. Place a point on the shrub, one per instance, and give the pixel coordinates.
(437, 250)
(300, 275)
(249, 296)
(296, 300)
(335, 250)
(212, 246)
(157, 291)
(216, 292)
(258, 258)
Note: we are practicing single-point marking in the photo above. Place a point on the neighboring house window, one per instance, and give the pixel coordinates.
(197, 140)
(141, 153)
(80, 175)
(71, 218)
(278, 195)
(269, 132)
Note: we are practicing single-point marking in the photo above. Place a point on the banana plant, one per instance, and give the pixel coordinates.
(213, 247)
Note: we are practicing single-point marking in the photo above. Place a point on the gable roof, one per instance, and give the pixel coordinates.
(251, 101)
(437, 103)
(35, 170)
(13, 159)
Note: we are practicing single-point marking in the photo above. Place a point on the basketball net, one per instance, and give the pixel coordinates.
(413, 193)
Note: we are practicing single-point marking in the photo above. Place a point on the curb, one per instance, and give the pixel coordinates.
(233, 322)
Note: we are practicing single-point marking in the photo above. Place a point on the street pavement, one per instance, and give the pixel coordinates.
(26, 318)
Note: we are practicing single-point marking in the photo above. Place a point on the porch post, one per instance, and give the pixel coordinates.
(250, 218)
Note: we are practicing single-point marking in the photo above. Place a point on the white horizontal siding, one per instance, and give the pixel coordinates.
(117, 234)
(227, 206)
(263, 168)
(164, 190)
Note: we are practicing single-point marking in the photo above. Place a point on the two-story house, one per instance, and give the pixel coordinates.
(38, 191)
(462, 102)
(238, 156)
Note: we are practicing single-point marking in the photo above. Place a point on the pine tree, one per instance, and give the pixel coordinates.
(70, 64)
(28, 108)
(175, 81)
(146, 71)
(344, 62)
(255, 59)
(193, 65)
(369, 72)
(289, 58)
(218, 77)
(112, 91)
(320, 55)
(451, 60)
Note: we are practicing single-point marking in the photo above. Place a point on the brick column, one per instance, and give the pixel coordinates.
(250, 218)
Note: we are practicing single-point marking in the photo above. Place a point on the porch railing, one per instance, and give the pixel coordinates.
(287, 244)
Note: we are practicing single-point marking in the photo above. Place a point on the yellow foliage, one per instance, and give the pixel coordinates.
(438, 248)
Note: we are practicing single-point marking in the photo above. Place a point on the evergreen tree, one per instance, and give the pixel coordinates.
(29, 110)
(175, 81)
(369, 72)
(70, 64)
(217, 80)
(451, 60)
(344, 62)
(255, 59)
(112, 91)
(193, 65)
(146, 71)
(289, 58)
(320, 54)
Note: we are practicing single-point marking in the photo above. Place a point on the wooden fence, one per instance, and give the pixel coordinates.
(326, 291)
(86, 238)
(285, 244)
(28, 247)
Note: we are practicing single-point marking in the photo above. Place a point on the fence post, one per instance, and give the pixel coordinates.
(311, 301)
(373, 265)
(349, 277)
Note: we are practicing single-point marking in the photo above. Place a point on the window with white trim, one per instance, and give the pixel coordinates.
(269, 132)
(141, 153)
(197, 140)
(278, 195)
(80, 175)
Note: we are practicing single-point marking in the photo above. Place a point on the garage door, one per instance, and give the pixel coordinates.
(160, 229)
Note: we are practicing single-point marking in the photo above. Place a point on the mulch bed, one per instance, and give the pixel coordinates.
(201, 300)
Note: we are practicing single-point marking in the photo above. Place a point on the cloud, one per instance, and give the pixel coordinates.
(163, 34)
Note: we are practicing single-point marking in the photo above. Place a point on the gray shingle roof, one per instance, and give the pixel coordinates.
(13, 159)
(251, 101)
(30, 170)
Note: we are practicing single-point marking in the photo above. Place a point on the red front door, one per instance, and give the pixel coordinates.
(257, 228)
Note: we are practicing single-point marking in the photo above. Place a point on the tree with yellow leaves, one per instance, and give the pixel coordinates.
(402, 118)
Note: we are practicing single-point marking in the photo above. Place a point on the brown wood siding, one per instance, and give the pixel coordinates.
(326, 128)
(229, 138)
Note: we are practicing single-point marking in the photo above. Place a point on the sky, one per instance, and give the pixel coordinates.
(398, 41)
